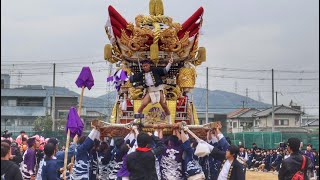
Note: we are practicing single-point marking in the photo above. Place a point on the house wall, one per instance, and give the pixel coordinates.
(238, 124)
(294, 121)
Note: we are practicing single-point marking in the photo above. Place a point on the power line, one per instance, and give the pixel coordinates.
(262, 70)
(215, 76)
(39, 59)
(48, 63)
(262, 78)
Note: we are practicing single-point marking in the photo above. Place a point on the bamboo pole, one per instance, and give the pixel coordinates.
(66, 156)
(68, 140)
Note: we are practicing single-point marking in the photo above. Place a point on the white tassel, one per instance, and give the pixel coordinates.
(124, 105)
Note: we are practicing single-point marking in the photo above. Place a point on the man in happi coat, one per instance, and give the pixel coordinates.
(28, 165)
(150, 79)
(83, 157)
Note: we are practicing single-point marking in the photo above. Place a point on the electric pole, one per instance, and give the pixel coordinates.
(207, 102)
(276, 98)
(272, 101)
(236, 87)
(247, 94)
(53, 110)
(242, 104)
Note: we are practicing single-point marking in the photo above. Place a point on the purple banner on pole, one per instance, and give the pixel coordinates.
(85, 78)
(74, 123)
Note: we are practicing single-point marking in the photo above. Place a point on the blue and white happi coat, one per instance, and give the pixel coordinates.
(83, 158)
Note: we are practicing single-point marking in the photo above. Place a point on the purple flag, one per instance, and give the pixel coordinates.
(85, 78)
(119, 78)
(110, 79)
(74, 123)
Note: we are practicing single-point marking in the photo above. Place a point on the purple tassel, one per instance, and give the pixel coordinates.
(85, 78)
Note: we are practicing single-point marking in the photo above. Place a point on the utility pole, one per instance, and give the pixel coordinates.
(236, 87)
(207, 102)
(242, 104)
(272, 101)
(259, 96)
(53, 108)
(247, 94)
(19, 79)
(276, 98)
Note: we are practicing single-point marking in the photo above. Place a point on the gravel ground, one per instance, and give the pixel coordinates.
(251, 175)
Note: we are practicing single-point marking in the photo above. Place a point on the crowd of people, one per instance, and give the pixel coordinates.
(148, 156)
(270, 160)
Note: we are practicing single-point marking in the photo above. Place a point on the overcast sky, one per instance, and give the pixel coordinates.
(239, 34)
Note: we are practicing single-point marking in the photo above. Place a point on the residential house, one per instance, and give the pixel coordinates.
(286, 119)
(213, 117)
(310, 122)
(241, 120)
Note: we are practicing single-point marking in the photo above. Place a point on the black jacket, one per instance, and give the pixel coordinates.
(236, 168)
(141, 165)
(17, 156)
(156, 74)
(291, 165)
(10, 170)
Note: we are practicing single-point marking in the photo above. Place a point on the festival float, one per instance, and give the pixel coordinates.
(157, 38)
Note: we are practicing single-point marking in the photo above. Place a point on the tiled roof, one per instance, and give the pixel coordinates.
(249, 113)
(237, 112)
(312, 123)
(278, 110)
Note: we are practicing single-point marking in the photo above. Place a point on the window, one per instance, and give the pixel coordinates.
(281, 122)
(62, 114)
(257, 122)
(25, 101)
(12, 102)
(234, 125)
(2, 83)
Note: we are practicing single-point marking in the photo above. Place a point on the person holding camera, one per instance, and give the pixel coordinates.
(293, 164)
(6, 136)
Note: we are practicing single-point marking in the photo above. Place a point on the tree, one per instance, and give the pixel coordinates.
(43, 124)
(61, 123)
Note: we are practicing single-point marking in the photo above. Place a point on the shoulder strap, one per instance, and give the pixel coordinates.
(303, 162)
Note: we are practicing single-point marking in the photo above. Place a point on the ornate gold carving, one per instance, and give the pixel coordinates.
(171, 42)
(172, 93)
(137, 41)
(135, 93)
(142, 20)
(186, 77)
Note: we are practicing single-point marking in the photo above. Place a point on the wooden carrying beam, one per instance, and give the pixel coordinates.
(121, 130)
